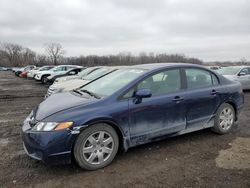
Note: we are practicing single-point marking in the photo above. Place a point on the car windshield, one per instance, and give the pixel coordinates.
(97, 73)
(86, 71)
(229, 70)
(112, 82)
(44, 68)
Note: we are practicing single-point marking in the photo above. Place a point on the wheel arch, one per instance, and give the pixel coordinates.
(234, 107)
(45, 75)
(123, 145)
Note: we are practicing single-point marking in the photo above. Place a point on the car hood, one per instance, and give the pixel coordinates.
(65, 78)
(69, 84)
(54, 104)
(44, 72)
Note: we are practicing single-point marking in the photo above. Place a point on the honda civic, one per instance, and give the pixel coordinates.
(129, 107)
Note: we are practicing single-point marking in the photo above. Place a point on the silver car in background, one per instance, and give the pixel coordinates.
(237, 73)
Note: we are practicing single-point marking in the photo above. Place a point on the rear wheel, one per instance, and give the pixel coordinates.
(96, 147)
(224, 120)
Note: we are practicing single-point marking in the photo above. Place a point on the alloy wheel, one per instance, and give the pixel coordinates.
(226, 118)
(98, 147)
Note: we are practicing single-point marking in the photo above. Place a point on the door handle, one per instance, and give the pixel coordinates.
(178, 99)
(214, 92)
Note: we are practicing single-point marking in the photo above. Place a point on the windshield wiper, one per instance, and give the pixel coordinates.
(91, 93)
(77, 91)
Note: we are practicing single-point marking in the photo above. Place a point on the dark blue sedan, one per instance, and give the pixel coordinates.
(129, 107)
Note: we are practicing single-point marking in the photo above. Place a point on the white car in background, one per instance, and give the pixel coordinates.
(32, 73)
(80, 75)
(237, 73)
(79, 82)
(214, 68)
(61, 69)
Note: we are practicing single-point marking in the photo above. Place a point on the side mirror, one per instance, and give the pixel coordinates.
(242, 74)
(142, 93)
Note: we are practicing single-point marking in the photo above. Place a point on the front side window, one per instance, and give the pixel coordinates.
(162, 83)
(197, 78)
(159, 84)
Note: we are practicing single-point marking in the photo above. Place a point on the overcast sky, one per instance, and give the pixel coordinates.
(209, 30)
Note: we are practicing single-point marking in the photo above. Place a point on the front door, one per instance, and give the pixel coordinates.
(163, 113)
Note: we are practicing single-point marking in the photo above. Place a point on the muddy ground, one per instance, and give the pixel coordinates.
(199, 159)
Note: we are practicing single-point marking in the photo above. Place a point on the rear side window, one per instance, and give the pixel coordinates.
(197, 78)
(214, 79)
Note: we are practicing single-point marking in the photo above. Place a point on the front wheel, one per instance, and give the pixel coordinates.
(224, 119)
(96, 147)
(44, 79)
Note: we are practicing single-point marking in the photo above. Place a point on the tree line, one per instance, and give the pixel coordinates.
(15, 55)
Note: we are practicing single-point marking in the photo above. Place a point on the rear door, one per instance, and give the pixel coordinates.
(202, 98)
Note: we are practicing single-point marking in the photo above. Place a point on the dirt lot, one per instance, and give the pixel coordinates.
(200, 159)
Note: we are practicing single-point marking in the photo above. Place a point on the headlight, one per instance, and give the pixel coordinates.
(27, 119)
(58, 90)
(51, 126)
(54, 89)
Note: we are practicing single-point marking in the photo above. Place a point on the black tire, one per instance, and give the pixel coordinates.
(82, 139)
(44, 79)
(217, 123)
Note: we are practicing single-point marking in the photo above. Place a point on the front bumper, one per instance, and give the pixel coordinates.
(52, 147)
(38, 77)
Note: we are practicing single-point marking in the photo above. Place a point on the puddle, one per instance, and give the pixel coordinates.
(236, 157)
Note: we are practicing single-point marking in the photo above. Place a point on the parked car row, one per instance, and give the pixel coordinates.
(89, 116)
(5, 69)
(47, 74)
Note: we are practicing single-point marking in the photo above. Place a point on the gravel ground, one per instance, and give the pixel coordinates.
(199, 159)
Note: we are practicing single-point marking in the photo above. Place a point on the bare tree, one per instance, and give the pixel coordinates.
(12, 52)
(28, 57)
(54, 51)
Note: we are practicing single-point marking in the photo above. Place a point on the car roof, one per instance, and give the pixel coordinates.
(239, 66)
(153, 66)
(69, 66)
